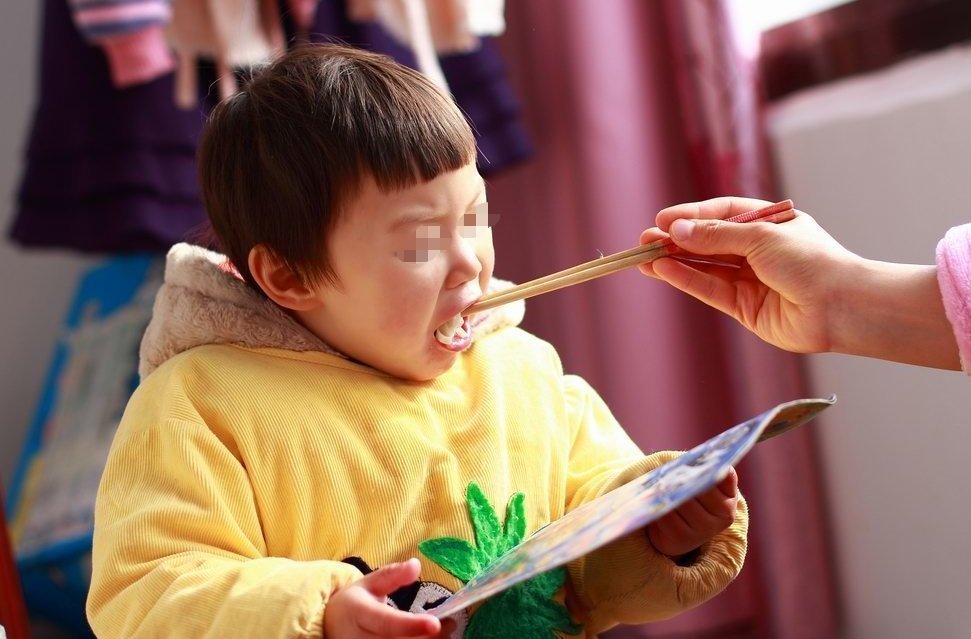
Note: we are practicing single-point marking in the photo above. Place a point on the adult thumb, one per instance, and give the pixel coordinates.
(716, 237)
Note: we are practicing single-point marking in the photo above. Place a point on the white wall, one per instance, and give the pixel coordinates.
(35, 287)
(884, 163)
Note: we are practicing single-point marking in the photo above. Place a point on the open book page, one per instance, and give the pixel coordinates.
(631, 506)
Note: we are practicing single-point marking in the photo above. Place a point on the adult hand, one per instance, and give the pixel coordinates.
(783, 285)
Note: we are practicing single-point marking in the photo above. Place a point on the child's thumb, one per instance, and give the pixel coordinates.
(716, 237)
(384, 581)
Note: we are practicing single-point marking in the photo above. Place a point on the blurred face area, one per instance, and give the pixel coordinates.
(407, 264)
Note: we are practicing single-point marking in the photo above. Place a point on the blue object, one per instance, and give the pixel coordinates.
(112, 305)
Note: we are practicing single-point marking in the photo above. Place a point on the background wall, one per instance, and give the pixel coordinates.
(35, 288)
(884, 163)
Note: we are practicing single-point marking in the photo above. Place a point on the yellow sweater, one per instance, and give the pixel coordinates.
(246, 485)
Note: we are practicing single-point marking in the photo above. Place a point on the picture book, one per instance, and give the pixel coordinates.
(631, 506)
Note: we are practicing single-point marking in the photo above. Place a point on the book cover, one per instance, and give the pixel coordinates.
(631, 506)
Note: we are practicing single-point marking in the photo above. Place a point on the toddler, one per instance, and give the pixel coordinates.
(318, 423)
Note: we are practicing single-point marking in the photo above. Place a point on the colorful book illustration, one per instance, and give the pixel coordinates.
(631, 506)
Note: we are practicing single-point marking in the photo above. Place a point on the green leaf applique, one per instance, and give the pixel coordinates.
(485, 523)
(515, 527)
(457, 556)
(527, 610)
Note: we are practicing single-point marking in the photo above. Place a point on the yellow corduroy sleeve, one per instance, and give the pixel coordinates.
(628, 581)
(178, 548)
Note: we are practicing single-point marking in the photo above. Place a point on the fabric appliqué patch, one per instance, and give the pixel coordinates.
(525, 611)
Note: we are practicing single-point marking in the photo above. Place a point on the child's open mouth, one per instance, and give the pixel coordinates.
(455, 334)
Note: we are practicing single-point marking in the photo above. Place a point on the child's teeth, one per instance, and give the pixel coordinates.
(447, 331)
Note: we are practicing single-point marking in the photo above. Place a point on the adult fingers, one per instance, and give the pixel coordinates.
(717, 208)
(652, 234)
(714, 237)
(702, 283)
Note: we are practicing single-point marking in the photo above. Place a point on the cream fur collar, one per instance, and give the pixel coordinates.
(202, 302)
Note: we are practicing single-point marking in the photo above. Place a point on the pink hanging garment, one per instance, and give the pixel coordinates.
(130, 33)
(433, 27)
(233, 33)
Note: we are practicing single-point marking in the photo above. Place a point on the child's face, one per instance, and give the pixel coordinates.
(407, 262)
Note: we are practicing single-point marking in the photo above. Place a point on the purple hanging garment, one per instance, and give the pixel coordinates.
(106, 170)
(112, 171)
(477, 80)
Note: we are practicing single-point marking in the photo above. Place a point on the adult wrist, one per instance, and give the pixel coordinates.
(845, 303)
(891, 311)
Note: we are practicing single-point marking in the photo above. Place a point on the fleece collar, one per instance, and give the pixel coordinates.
(203, 301)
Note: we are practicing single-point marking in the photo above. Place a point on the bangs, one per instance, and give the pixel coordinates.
(407, 131)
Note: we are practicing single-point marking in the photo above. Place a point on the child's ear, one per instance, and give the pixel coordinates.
(279, 282)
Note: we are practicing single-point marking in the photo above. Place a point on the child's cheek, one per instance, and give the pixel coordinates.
(409, 310)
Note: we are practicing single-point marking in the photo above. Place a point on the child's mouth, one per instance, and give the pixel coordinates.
(455, 334)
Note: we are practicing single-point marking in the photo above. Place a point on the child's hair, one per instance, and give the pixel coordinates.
(280, 160)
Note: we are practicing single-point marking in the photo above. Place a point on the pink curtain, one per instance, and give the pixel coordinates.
(635, 106)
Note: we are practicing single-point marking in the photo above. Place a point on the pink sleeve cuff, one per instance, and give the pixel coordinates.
(954, 278)
(139, 57)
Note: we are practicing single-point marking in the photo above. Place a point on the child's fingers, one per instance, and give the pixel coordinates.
(448, 627)
(667, 533)
(383, 581)
(729, 485)
(699, 519)
(385, 621)
(718, 508)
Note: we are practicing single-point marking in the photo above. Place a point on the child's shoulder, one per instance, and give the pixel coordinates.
(205, 384)
(195, 365)
(210, 374)
(201, 362)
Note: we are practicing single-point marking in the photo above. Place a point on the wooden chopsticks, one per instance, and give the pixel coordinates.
(778, 212)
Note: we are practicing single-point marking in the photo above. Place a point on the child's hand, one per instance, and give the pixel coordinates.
(696, 521)
(360, 609)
